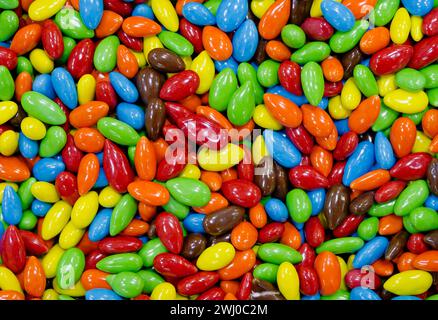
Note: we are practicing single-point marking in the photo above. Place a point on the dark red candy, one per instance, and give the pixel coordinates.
(93, 258)
(245, 286)
(245, 168)
(71, 155)
(169, 231)
(212, 294)
(301, 138)
(119, 6)
(67, 187)
(8, 58)
(391, 59)
(430, 23)
(389, 191)
(120, 244)
(80, 61)
(332, 89)
(411, 167)
(180, 86)
(243, 193)
(348, 226)
(306, 177)
(51, 38)
(106, 93)
(416, 243)
(317, 29)
(116, 166)
(192, 33)
(13, 250)
(308, 254)
(171, 168)
(425, 53)
(347, 143)
(289, 75)
(33, 243)
(197, 283)
(335, 176)
(271, 232)
(309, 282)
(314, 232)
(133, 43)
(357, 277)
(173, 265)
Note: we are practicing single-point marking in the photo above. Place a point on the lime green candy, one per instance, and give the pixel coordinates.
(338, 295)
(122, 214)
(315, 51)
(342, 42)
(150, 250)
(176, 43)
(70, 268)
(246, 72)
(299, 205)
(266, 272)
(384, 11)
(386, 118)
(312, 80)
(7, 85)
(24, 193)
(416, 117)
(212, 5)
(267, 73)
(28, 220)
(341, 245)
(432, 95)
(178, 209)
(42, 108)
(382, 209)
(53, 142)
(222, 88)
(126, 284)
(71, 25)
(424, 219)
(118, 131)
(368, 228)
(65, 297)
(120, 262)
(277, 253)
(410, 80)
(105, 56)
(407, 224)
(411, 197)
(9, 23)
(8, 4)
(365, 81)
(293, 36)
(189, 191)
(24, 65)
(151, 279)
(69, 45)
(242, 105)
(430, 74)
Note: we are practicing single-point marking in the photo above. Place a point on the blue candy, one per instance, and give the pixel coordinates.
(406, 298)
(91, 12)
(43, 84)
(101, 294)
(342, 126)
(131, 114)
(143, 10)
(11, 206)
(298, 100)
(317, 199)
(40, 208)
(124, 88)
(432, 202)
(28, 148)
(372, 251)
(198, 14)
(383, 150)
(101, 181)
(47, 169)
(230, 14)
(359, 163)
(276, 210)
(65, 87)
(245, 41)
(418, 7)
(360, 293)
(282, 149)
(100, 226)
(193, 223)
(339, 16)
(230, 63)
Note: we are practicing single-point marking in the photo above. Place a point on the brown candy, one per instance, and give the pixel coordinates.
(154, 118)
(149, 82)
(396, 245)
(212, 240)
(194, 245)
(264, 176)
(281, 181)
(19, 116)
(336, 205)
(152, 232)
(165, 60)
(260, 54)
(431, 238)
(349, 60)
(299, 11)
(432, 176)
(223, 220)
(362, 204)
(263, 290)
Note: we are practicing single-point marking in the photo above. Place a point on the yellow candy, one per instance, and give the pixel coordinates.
(259, 150)
(70, 236)
(259, 7)
(44, 191)
(33, 128)
(179, 297)
(85, 210)
(264, 119)
(164, 291)
(255, 249)
(41, 61)
(400, 26)
(191, 171)
(386, 84)
(76, 291)
(165, 12)
(50, 261)
(288, 281)
(416, 28)
(3, 185)
(350, 95)
(422, 143)
(8, 109)
(8, 280)
(109, 197)
(50, 294)
(204, 67)
(344, 271)
(219, 160)
(150, 43)
(315, 10)
(41, 10)
(409, 282)
(55, 220)
(350, 262)
(406, 102)
(187, 61)
(86, 88)
(141, 60)
(336, 110)
(216, 257)
(8, 142)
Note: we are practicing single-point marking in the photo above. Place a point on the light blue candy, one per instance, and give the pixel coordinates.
(230, 14)
(28, 147)
(193, 223)
(143, 10)
(342, 126)
(317, 199)
(418, 7)
(101, 181)
(406, 298)
(276, 210)
(101, 294)
(130, 114)
(360, 293)
(432, 202)
(229, 63)
(298, 100)
(91, 12)
(65, 87)
(359, 163)
(198, 14)
(339, 16)
(40, 208)
(282, 149)
(43, 84)
(383, 150)
(372, 251)
(100, 226)
(11, 206)
(47, 169)
(124, 88)
(245, 41)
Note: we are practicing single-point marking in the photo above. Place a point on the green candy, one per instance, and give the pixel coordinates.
(122, 214)
(299, 205)
(105, 56)
(9, 23)
(338, 295)
(266, 272)
(365, 81)
(341, 245)
(24, 65)
(24, 193)
(212, 5)
(432, 297)
(410, 80)
(246, 72)
(368, 228)
(178, 209)
(265, 199)
(70, 268)
(150, 250)
(126, 284)
(430, 73)
(53, 142)
(176, 43)
(407, 224)
(222, 88)
(120, 262)
(28, 220)
(277, 253)
(150, 279)
(7, 85)
(8, 4)
(71, 25)
(242, 105)
(189, 191)
(267, 73)
(312, 80)
(293, 36)
(39, 106)
(416, 117)
(342, 42)
(65, 297)
(382, 209)
(413, 196)
(118, 131)
(131, 155)
(386, 118)
(384, 11)
(69, 45)
(315, 51)
(432, 94)
(424, 219)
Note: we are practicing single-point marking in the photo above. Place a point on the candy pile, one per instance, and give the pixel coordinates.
(220, 149)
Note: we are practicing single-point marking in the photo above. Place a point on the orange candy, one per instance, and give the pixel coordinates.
(332, 69)
(427, 261)
(146, 211)
(274, 19)
(160, 147)
(88, 114)
(145, 159)
(285, 111)
(371, 180)
(405, 261)
(321, 160)
(374, 40)
(229, 174)
(109, 24)
(430, 123)
(402, 136)
(391, 224)
(434, 145)
(383, 268)
(242, 263)
(135, 228)
(258, 216)
(93, 278)
(329, 142)
(34, 278)
(89, 140)
(317, 121)
(217, 43)
(151, 193)
(212, 179)
(13, 169)
(359, 8)
(215, 116)
(26, 39)
(230, 286)
(11, 295)
(277, 50)
(88, 173)
(244, 236)
(217, 202)
(126, 62)
(291, 236)
(191, 102)
(329, 272)
(140, 27)
(23, 84)
(364, 116)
